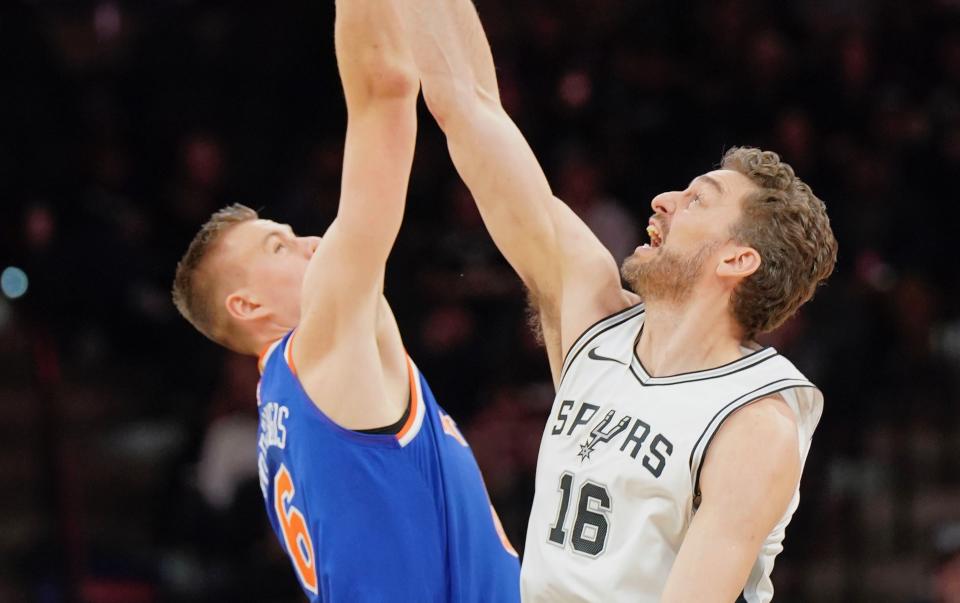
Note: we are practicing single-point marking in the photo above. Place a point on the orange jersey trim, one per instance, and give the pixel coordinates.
(288, 354)
(414, 402)
(262, 359)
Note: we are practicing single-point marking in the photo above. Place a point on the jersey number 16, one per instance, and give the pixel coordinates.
(591, 525)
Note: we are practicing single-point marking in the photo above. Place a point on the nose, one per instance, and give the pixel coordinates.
(311, 244)
(665, 203)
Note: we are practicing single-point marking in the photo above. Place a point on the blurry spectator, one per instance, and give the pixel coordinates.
(945, 567)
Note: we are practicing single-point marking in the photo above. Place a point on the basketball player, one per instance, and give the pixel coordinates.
(369, 485)
(670, 463)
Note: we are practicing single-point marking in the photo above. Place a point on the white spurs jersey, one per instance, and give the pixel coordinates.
(619, 466)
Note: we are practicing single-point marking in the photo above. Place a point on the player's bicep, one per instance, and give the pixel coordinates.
(587, 287)
(589, 278)
(340, 288)
(350, 260)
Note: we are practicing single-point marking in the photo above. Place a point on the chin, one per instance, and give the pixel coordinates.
(663, 274)
(631, 267)
(638, 258)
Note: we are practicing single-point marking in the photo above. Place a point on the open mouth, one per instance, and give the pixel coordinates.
(656, 236)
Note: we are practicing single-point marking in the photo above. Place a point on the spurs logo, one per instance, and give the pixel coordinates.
(599, 435)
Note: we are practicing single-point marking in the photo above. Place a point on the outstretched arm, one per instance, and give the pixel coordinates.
(572, 278)
(341, 298)
(380, 88)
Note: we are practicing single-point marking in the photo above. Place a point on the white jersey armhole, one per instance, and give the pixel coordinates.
(593, 331)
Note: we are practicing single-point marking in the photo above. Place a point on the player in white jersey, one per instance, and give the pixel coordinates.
(670, 463)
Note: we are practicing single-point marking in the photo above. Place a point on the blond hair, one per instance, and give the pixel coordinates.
(195, 298)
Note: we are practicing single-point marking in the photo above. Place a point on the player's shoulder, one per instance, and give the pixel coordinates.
(752, 469)
(769, 419)
(763, 435)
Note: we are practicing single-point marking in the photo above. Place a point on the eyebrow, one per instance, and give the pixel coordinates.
(270, 235)
(711, 181)
(277, 233)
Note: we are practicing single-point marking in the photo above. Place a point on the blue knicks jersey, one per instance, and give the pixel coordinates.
(396, 518)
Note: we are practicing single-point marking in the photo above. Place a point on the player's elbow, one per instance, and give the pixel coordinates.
(387, 79)
(453, 103)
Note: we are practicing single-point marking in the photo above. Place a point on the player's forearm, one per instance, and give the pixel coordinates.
(489, 152)
(716, 573)
(373, 52)
(452, 56)
(474, 39)
(380, 85)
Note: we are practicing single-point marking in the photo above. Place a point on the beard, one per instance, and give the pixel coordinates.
(668, 277)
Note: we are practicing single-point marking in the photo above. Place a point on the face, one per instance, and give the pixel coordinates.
(690, 237)
(262, 264)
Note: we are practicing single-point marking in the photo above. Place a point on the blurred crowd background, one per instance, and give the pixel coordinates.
(127, 441)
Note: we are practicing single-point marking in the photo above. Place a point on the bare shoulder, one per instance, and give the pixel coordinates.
(357, 378)
(765, 429)
(770, 416)
(757, 447)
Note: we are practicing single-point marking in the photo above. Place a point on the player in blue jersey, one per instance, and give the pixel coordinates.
(369, 485)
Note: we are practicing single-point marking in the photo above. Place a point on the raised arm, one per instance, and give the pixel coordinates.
(572, 278)
(342, 308)
(380, 87)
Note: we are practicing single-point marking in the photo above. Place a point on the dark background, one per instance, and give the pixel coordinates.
(127, 441)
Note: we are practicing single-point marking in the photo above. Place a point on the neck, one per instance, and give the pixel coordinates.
(270, 332)
(696, 335)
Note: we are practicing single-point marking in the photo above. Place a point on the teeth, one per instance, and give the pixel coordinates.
(655, 236)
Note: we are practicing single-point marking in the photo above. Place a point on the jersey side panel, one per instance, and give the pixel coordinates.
(482, 564)
(807, 404)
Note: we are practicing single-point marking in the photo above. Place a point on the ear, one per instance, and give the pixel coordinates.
(243, 306)
(738, 263)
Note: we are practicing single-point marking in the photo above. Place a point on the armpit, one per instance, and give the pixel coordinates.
(543, 318)
(534, 322)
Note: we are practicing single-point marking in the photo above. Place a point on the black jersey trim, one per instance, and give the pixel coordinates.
(393, 429)
(579, 340)
(734, 366)
(696, 444)
(649, 383)
(572, 356)
(798, 383)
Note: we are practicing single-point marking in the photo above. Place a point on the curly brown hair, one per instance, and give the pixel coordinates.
(194, 297)
(788, 225)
